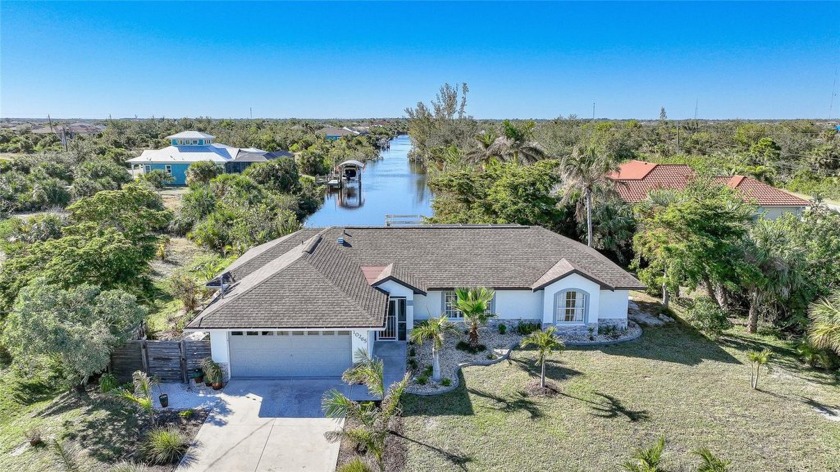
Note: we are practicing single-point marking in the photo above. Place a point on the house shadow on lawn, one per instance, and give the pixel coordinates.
(675, 342)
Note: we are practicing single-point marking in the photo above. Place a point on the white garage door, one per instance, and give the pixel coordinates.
(289, 354)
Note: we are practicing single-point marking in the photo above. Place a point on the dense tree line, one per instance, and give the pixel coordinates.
(554, 174)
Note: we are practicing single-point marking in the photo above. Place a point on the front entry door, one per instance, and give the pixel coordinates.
(395, 322)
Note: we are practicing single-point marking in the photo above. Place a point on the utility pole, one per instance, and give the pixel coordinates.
(593, 111)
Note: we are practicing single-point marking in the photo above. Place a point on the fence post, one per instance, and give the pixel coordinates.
(144, 356)
(183, 349)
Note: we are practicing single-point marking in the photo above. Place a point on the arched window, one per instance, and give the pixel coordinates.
(570, 306)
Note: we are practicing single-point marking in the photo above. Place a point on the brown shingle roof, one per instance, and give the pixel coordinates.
(316, 282)
(635, 179)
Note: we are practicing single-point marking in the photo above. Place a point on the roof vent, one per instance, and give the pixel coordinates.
(340, 241)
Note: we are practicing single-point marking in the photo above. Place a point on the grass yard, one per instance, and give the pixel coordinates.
(672, 382)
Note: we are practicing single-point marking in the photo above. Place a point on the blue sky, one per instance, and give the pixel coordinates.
(318, 60)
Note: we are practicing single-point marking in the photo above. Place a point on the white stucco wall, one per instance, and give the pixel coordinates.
(427, 306)
(613, 305)
(220, 351)
(395, 289)
(573, 281)
(771, 213)
(519, 304)
(361, 339)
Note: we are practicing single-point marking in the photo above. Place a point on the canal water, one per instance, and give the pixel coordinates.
(391, 185)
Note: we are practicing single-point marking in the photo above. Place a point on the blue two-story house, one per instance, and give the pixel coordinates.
(188, 147)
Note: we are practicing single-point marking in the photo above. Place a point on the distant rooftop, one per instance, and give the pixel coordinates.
(191, 135)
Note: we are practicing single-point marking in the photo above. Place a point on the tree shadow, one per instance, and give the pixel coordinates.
(613, 408)
(520, 402)
(107, 431)
(27, 392)
(783, 356)
(554, 369)
(454, 403)
(458, 460)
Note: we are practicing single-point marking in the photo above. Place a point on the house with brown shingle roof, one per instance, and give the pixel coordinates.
(301, 305)
(635, 179)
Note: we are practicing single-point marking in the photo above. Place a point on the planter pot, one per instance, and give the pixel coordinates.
(199, 380)
(217, 386)
(164, 400)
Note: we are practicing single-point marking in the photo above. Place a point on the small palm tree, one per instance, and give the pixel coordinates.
(757, 359)
(710, 462)
(374, 423)
(141, 396)
(546, 342)
(825, 323)
(647, 460)
(433, 330)
(474, 303)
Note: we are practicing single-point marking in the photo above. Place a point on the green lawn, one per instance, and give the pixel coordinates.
(672, 382)
(96, 423)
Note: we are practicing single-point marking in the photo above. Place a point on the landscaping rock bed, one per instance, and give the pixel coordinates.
(498, 348)
(603, 337)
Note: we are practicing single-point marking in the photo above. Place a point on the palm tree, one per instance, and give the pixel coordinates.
(586, 171)
(710, 462)
(483, 149)
(647, 460)
(825, 323)
(474, 303)
(757, 359)
(371, 424)
(546, 342)
(516, 145)
(141, 396)
(433, 330)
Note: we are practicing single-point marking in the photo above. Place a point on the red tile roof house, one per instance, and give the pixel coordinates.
(635, 179)
(301, 305)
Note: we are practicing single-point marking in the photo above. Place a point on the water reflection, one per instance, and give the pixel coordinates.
(390, 185)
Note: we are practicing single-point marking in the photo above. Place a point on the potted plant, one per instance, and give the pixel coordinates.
(197, 376)
(212, 373)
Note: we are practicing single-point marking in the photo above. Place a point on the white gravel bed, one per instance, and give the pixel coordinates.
(633, 331)
(498, 346)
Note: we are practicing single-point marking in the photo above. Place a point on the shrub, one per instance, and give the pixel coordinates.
(465, 346)
(525, 328)
(187, 414)
(412, 364)
(502, 328)
(108, 382)
(165, 446)
(427, 371)
(491, 356)
(422, 380)
(355, 465)
(126, 466)
(412, 352)
(34, 436)
(711, 463)
(814, 356)
(708, 317)
(446, 381)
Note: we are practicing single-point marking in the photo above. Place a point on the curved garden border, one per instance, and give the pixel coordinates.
(456, 382)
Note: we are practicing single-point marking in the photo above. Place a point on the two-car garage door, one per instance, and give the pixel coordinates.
(289, 353)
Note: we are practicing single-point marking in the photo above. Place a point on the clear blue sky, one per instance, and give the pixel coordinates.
(521, 60)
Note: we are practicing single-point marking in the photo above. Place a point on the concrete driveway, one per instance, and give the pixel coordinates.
(267, 425)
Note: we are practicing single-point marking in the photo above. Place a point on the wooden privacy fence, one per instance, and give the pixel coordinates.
(168, 361)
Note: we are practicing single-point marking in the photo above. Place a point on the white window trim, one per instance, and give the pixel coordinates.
(560, 307)
(168, 169)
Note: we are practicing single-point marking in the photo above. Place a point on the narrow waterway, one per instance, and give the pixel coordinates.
(389, 186)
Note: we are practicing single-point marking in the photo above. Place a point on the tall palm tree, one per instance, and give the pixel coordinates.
(433, 330)
(586, 171)
(372, 423)
(825, 323)
(546, 342)
(474, 303)
(757, 360)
